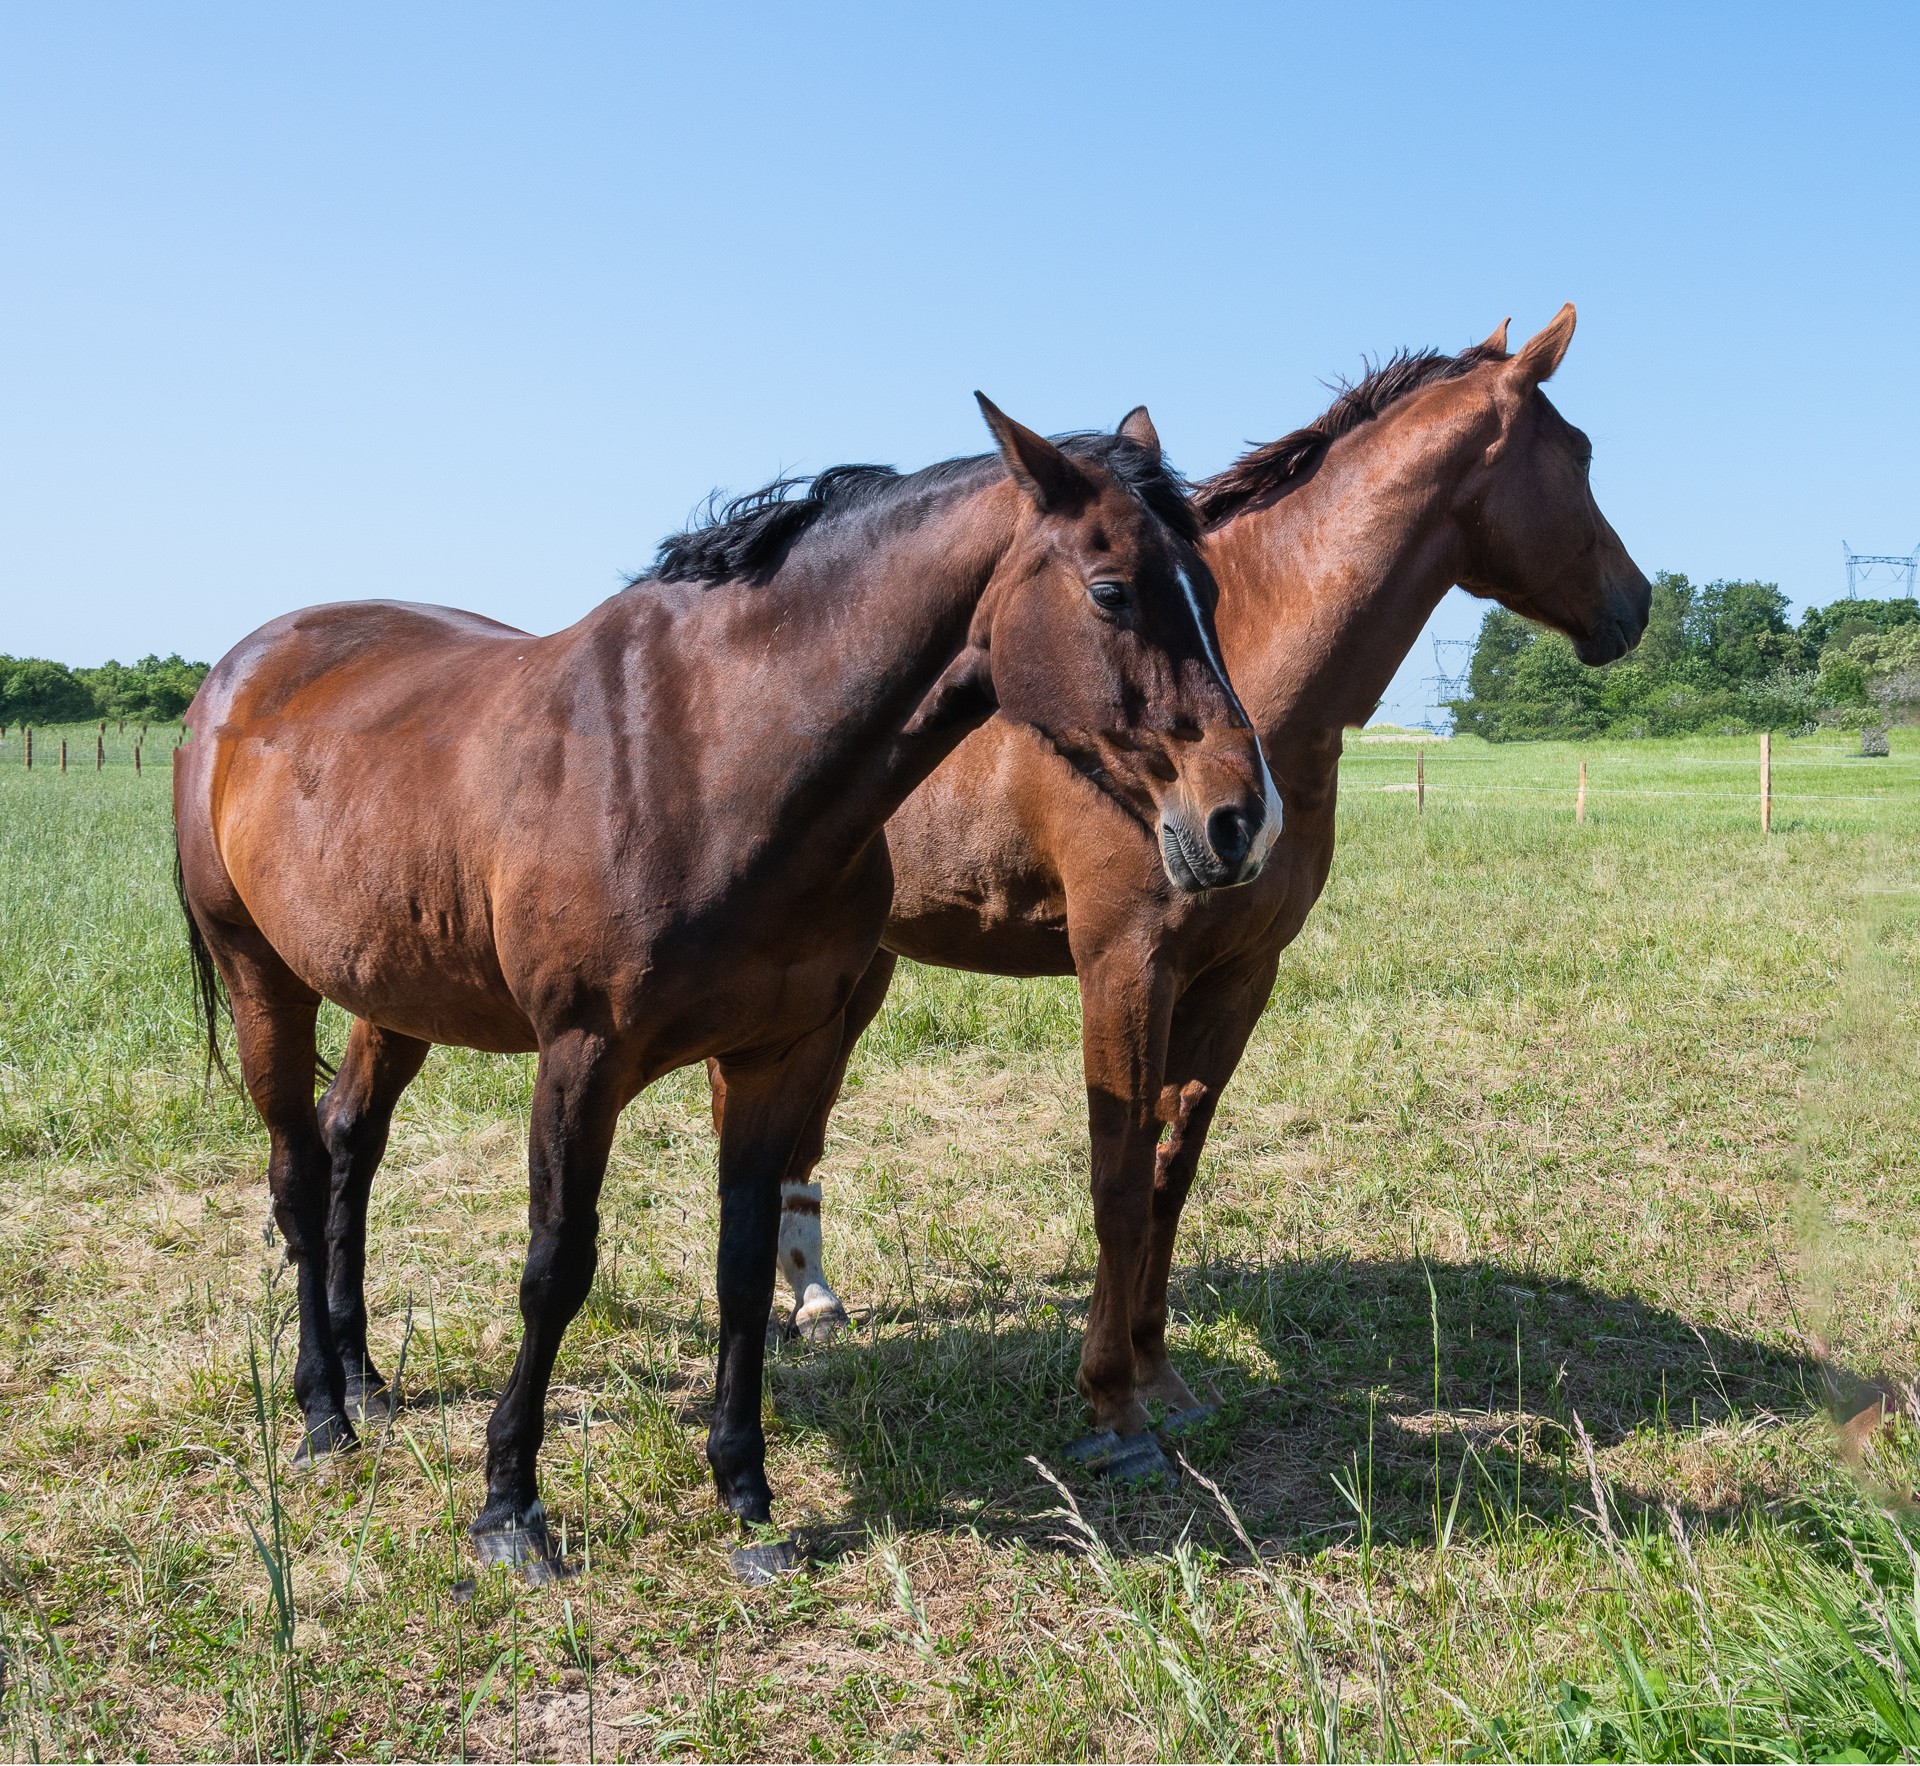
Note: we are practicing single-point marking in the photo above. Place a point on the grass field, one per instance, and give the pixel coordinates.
(1567, 1195)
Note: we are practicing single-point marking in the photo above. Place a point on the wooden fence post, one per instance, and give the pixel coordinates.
(1420, 782)
(1766, 782)
(63, 754)
(1580, 796)
(136, 760)
(100, 749)
(29, 735)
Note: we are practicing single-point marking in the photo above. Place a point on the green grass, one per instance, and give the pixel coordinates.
(1555, 1141)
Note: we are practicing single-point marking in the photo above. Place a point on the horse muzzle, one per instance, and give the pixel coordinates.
(1228, 848)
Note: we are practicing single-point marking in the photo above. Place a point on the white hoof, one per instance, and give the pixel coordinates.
(820, 1317)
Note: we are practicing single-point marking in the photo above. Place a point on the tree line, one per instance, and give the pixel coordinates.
(1717, 659)
(156, 689)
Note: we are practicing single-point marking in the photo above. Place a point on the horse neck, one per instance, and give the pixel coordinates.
(860, 661)
(1323, 592)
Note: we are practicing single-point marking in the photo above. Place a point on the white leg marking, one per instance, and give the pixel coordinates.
(817, 1311)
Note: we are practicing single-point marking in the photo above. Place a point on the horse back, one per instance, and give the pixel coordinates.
(356, 664)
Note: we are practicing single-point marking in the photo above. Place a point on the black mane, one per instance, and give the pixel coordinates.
(1274, 467)
(748, 539)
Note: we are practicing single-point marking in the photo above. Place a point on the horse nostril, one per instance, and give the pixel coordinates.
(1230, 833)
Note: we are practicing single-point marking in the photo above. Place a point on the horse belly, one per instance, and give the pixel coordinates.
(407, 970)
(386, 925)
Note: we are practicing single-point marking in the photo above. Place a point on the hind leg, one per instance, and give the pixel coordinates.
(770, 1102)
(354, 1117)
(274, 1013)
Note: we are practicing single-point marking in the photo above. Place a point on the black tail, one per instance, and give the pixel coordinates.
(209, 995)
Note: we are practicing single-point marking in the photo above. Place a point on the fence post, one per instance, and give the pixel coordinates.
(63, 754)
(100, 749)
(28, 729)
(1580, 797)
(136, 760)
(1766, 782)
(1420, 782)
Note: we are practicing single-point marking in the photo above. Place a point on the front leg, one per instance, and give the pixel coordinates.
(1211, 1024)
(1125, 1010)
(578, 1094)
(817, 1311)
(770, 1104)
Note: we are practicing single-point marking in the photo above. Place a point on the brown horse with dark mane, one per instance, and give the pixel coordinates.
(1332, 546)
(687, 861)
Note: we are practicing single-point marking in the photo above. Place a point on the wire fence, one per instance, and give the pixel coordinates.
(1596, 777)
(93, 747)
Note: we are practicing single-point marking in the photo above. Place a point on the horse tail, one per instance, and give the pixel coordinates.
(209, 993)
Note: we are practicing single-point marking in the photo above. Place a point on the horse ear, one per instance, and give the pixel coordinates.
(1497, 337)
(1038, 467)
(1544, 351)
(1137, 427)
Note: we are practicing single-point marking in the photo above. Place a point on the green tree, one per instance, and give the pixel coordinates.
(1741, 631)
(1838, 623)
(33, 690)
(1718, 657)
(156, 689)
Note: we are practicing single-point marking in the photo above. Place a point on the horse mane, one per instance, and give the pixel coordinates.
(1273, 468)
(749, 537)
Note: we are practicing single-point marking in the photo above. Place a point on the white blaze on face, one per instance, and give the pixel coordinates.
(1270, 828)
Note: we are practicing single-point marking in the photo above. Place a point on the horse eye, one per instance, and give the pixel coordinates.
(1111, 596)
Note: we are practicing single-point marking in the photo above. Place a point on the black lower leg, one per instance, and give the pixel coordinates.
(576, 1104)
(769, 1106)
(346, 1287)
(749, 1245)
(298, 1176)
(355, 1116)
(559, 1273)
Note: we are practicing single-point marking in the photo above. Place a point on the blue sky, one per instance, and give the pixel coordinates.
(472, 304)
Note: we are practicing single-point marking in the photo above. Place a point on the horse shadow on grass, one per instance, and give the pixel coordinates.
(1324, 1375)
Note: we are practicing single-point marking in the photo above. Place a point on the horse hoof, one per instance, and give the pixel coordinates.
(820, 1321)
(1183, 1422)
(323, 1441)
(370, 1405)
(539, 1572)
(1127, 1459)
(521, 1543)
(760, 1566)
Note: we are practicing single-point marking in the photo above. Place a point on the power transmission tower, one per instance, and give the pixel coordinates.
(1862, 565)
(1452, 661)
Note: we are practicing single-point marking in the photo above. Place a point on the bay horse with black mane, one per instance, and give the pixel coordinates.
(1332, 546)
(686, 863)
